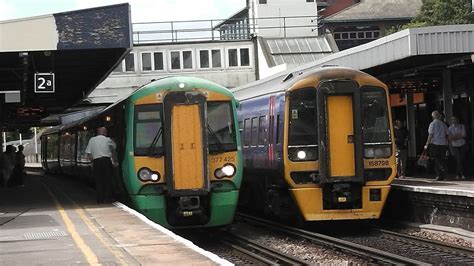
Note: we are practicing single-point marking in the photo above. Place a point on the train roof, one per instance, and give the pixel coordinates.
(282, 81)
(174, 83)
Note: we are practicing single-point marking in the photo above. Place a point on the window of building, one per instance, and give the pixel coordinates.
(146, 62)
(233, 62)
(181, 59)
(309, 1)
(187, 59)
(204, 59)
(158, 58)
(244, 57)
(254, 131)
(262, 1)
(119, 68)
(261, 130)
(130, 62)
(239, 57)
(216, 58)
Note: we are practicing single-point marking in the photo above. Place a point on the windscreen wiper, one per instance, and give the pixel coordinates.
(217, 141)
(154, 142)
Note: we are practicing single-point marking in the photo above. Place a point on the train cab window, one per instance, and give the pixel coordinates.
(254, 137)
(303, 129)
(220, 127)
(247, 129)
(148, 137)
(262, 130)
(375, 122)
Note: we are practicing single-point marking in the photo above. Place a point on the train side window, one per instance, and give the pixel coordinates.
(254, 131)
(247, 132)
(261, 130)
(277, 129)
(241, 126)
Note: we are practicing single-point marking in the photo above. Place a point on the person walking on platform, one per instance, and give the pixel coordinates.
(437, 143)
(401, 143)
(19, 170)
(100, 149)
(456, 136)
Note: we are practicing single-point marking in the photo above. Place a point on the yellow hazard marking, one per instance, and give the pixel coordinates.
(85, 249)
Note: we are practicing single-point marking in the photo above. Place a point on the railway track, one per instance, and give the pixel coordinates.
(372, 254)
(258, 253)
(438, 251)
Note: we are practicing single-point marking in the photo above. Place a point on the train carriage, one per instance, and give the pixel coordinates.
(178, 155)
(319, 140)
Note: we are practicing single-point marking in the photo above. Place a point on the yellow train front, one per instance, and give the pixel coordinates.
(328, 146)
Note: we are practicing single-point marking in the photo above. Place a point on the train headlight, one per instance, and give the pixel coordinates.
(369, 152)
(227, 170)
(145, 174)
(301, 155)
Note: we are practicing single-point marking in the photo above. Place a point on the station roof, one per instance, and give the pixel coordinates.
(406, 52)
(80, 47)
(370, 10)
(297, 50)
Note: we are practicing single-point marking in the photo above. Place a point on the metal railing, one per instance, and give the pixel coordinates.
(219, 29)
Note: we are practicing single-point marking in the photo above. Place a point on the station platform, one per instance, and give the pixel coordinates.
(55, 221)
(427, 201)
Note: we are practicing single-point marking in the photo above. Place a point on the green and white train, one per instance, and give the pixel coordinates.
(178, 159)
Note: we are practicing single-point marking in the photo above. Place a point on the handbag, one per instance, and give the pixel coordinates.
(423, 160)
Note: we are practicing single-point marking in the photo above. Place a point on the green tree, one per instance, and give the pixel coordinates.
(440, 12)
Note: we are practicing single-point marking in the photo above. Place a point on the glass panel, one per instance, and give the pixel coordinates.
(204, 58)
(262, 1)
(216, 58)
(254, 131)
(119, 68)
(221, 130)
(244, 57)
(187, 59)
(247, 132)
(303, 119)
(147, 129)
(175, 60)
(261, 130)
(375, 115)
(130, 63)
(158, 61)
(146, 62)
(233, 57)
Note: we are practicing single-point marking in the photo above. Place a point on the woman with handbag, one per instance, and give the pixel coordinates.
(457, 139)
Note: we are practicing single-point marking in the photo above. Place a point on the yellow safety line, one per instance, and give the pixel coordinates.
(85, 249)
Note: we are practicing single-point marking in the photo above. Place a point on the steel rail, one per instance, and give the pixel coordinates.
(335, 243)
(260, 252)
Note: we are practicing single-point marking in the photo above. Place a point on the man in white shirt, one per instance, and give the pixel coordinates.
(438, 144)
(99, 150)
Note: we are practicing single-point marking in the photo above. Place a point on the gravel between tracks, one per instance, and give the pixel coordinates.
(303, 249)
(440, 236)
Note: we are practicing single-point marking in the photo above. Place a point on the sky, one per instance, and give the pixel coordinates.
(142, 10)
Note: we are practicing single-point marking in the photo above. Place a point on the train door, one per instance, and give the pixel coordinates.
(341, 131)
(186, 139)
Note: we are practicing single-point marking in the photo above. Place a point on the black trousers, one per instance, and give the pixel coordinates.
(103, 175)
(459, 154)
(438, 153)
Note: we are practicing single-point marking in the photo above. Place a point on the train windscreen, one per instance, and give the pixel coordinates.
(148, 130)
(303, 118)
(375, 122)
(220, 127)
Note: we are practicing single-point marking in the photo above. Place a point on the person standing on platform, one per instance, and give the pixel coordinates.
(456, 136)
(19, 170)
(401, 143)
(437, 143)
(100, 149)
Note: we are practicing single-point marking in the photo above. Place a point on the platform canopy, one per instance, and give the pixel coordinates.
(50, 63)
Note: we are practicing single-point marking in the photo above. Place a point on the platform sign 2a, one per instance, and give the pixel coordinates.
(44, 83)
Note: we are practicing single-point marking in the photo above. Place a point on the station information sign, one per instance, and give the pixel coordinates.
(44, 83)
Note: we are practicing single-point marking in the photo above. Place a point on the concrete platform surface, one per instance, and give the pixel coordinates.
(54, 221)
(427, 185)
